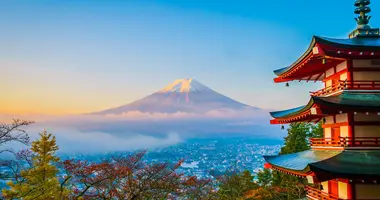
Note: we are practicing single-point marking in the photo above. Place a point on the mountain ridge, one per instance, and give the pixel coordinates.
(182, 95)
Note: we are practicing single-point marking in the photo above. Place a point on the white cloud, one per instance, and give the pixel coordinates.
(135, 130)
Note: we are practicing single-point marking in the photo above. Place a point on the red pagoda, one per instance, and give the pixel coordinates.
(345, 163)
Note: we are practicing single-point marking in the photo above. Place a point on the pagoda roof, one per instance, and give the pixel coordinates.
(285, 113)
(358, 43)
(352, 43)
(346, 101)
(298, 162)
(328, 164)
(310, 66)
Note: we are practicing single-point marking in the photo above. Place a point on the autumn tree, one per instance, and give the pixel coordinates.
(40, 180)
(128, 177)
(193, 187)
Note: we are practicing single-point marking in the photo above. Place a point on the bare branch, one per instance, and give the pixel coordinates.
(14, 132)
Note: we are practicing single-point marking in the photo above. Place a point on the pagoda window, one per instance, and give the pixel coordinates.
(330, 72)
(343, 76)
(366, 63)
(325, 186)
(329, 120)
(375, 63)
(366, 76)
(367, 191)
(327, 132)
(342, 190)
(344, 131)
(342, 66)
(363, 117)
(367, 131)
(341, 118)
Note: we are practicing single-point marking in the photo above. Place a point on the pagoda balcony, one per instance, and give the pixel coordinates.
(348, 85)
(313, 193)
(356, 142)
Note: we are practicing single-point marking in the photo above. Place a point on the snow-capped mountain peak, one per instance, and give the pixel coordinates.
(184, 96)
(185, 85)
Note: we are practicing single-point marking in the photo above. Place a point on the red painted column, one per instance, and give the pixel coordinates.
(351, 127)
(350, 190)
(333, 188)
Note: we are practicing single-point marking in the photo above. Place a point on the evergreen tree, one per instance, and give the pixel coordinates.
(236, 186)
(316, 131)
(283, 186)
(264, 178)
(297, 139)
(39, 182)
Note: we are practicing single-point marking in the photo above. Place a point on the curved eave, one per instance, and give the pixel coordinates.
(289, 112)
(350, 101)
(333, 51)
(357, 43)
(302, 113)
(303, 173)
(329, 164)
(298, 163)
(309, 50)
(318, 107)
(345, 165)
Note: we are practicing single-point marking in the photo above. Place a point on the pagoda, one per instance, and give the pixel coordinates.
(345, 163)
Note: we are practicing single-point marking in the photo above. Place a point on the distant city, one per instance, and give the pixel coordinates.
(207, 158)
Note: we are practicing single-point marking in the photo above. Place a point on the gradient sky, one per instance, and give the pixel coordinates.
(75, 56)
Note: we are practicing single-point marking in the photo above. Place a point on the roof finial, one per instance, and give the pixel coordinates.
(363, 29)
(362, 9)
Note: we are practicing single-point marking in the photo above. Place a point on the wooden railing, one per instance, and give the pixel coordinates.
(313, 193)
(348, 85)
(346, 142)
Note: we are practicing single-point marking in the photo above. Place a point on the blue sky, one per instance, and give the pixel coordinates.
(78, 56)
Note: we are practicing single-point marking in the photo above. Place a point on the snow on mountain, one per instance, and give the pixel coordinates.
(183, 95)
(185, 85)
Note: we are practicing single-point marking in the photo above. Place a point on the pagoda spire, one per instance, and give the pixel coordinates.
(363, 29)
(362, 9)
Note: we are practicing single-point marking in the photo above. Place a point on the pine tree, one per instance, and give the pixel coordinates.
(317, 131)
(40, 181)
(283, 186)
(296, 141)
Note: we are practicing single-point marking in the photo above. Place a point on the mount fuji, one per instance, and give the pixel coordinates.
(183, 95)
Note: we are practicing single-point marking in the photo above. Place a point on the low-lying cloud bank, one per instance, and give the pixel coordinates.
(136, 130)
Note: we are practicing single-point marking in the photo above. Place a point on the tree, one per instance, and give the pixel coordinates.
(275, 185)
(264, 178)
(40, 180)
(236, 186)
(297, 138)
(316, 131)
(128, 177)
(13, 132)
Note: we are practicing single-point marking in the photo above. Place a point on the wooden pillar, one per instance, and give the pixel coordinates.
(350, 73)
(351, 190)
(333, 187)
(351, 127)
